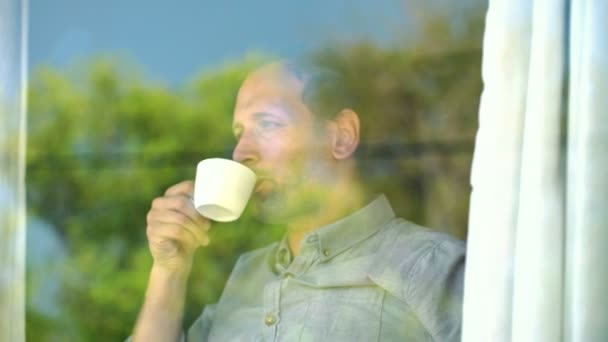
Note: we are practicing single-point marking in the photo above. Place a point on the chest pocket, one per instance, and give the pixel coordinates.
(344, 314)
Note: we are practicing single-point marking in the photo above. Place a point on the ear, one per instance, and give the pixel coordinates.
(346, 134)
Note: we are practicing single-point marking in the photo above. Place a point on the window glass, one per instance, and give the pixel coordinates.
(125, 98)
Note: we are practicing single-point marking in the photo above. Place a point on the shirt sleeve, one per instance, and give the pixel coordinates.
(437, 290)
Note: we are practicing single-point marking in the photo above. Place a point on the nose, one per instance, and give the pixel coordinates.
(246, 150)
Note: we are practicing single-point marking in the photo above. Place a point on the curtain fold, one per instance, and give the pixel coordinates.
(587, 188)
(495, 173)
(539, 229)
(13, 81)
(538, 225)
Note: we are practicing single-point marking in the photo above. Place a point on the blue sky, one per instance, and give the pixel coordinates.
(173, 40)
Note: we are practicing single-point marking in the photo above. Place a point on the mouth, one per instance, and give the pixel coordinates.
(263, 186)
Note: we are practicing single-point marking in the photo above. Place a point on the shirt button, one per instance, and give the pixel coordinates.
(283, 256)
(270, 320)
(312, 239)
(326, 252)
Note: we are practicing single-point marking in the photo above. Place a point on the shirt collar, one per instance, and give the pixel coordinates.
(344, 233)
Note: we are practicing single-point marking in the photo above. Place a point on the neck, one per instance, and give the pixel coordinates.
(340, 200)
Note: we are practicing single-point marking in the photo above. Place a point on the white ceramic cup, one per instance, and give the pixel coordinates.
(222, 188)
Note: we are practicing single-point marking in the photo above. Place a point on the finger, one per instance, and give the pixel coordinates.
(176, 218)
(185, 188)
(184, 205)
(159, 233)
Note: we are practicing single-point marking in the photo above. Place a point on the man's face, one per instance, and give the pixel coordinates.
(278, 137)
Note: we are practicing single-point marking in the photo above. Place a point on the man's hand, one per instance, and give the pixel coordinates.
(175, 229)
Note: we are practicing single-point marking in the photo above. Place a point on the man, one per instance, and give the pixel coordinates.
(346, 270)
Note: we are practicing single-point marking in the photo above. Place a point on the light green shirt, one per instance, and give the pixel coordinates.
(368, 277)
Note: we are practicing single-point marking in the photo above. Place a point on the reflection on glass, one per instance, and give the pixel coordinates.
(13, 64)
(105, 141)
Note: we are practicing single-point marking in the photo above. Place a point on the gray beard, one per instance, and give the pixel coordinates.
(277, 208)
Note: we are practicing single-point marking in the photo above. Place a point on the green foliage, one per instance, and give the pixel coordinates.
(104, 143)
(99, 151)
(418, 111)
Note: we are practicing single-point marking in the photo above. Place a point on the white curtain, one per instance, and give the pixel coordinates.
(13, 81)
(537, 264)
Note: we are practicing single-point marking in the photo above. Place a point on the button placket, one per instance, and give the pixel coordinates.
(308, 255)
(272, 297)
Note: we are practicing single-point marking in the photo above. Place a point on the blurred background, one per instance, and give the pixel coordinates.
(126, 97)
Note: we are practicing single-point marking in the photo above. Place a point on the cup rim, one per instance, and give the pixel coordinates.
(228, 161)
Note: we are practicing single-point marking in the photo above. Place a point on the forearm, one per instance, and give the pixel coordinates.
(162, 313)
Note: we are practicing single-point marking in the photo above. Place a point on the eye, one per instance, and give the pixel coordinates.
(266, 124)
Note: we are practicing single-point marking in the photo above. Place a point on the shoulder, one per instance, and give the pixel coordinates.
(425, 270)
(256, 256)
(413, 258)
(406, 244)
(255, 260)
(253, 267)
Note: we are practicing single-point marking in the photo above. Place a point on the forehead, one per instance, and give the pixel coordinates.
(268, 87)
